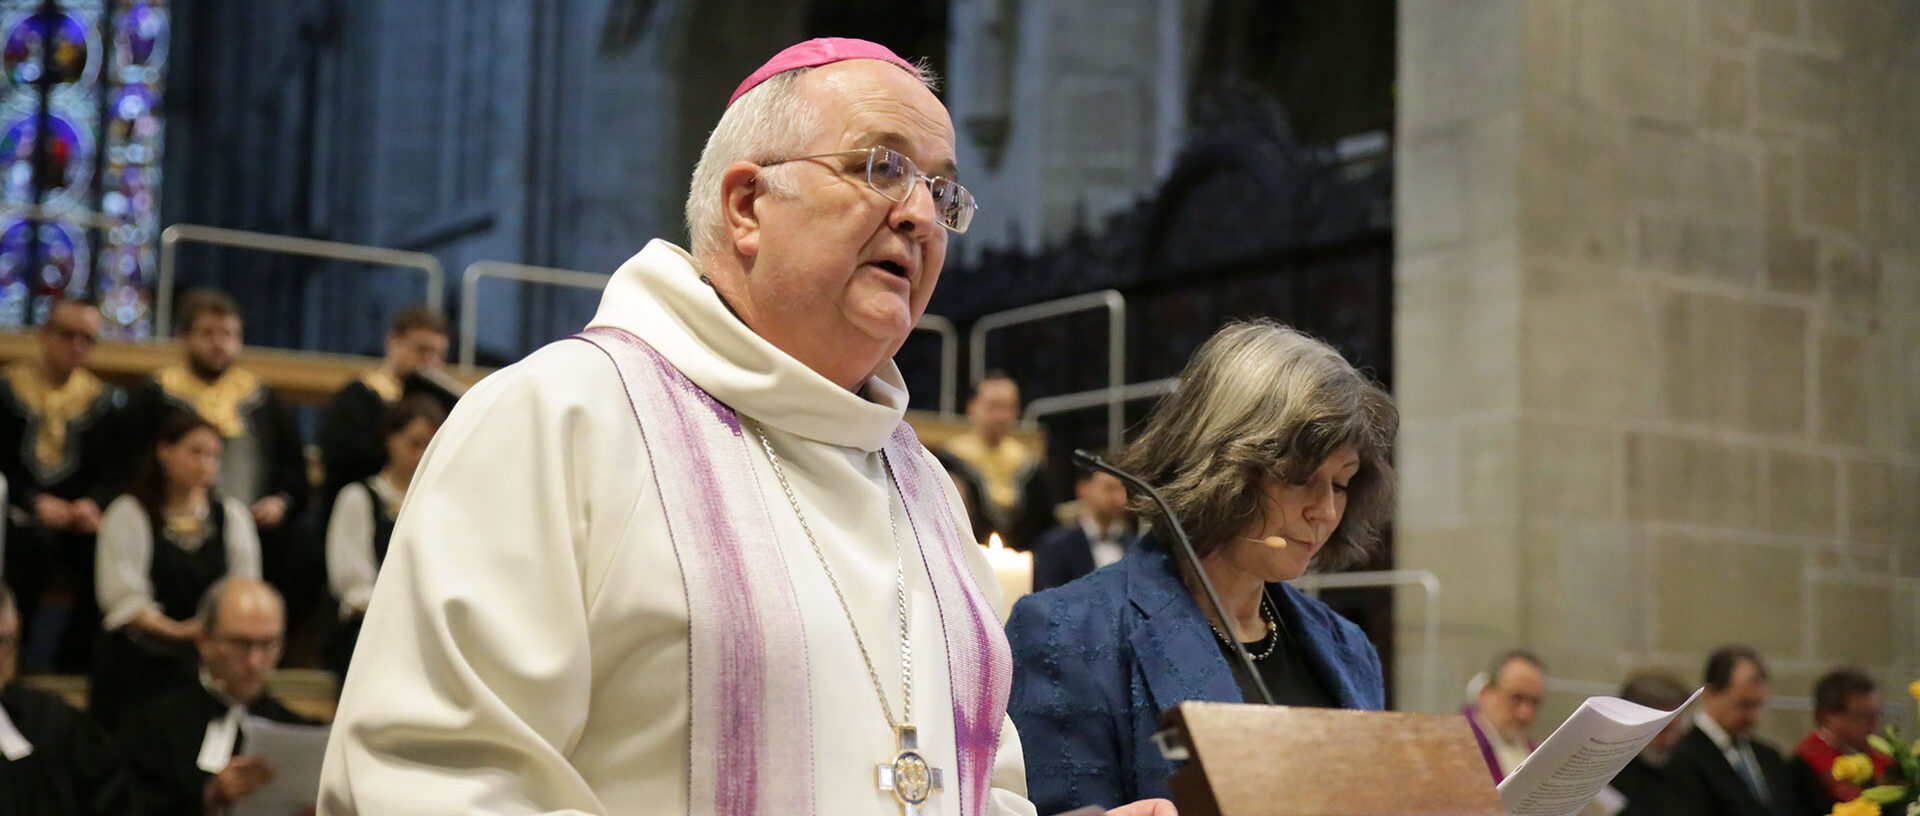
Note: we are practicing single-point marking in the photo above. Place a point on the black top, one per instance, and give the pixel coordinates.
(180, 577)
(74, 770)
(168, 730)
(382, 525)
(1648, 790)
(351, 447)
(1285, 670)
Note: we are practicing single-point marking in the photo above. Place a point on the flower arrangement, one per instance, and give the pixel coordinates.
(1900, 786)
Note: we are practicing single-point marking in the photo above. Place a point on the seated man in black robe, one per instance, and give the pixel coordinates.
(53, 760)
(187, 748)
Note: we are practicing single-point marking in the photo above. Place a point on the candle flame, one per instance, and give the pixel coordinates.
(993, 542)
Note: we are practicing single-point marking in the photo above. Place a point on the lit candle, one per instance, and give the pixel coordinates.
(1015, 571)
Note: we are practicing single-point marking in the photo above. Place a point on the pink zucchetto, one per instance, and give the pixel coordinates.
(816, 52)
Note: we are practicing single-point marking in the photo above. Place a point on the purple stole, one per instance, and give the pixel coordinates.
(751, 729)
(1486, 744)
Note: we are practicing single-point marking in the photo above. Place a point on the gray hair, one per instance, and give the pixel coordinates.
(208, 611)
(772, 121)
(1499, 663)
(1262, 400)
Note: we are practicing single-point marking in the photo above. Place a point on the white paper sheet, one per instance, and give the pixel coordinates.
(294, 752)
(1582, 756)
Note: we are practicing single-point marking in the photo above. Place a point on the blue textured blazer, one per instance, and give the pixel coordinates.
(1097, 660)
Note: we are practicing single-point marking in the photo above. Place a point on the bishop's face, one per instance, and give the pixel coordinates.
(836, 273)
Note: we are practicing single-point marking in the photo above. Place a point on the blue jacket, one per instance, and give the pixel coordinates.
(1097, 660)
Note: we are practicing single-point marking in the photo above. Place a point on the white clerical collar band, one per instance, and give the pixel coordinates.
(216, 749)
(13, 744)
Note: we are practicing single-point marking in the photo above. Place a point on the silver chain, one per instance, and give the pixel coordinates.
(899, 590)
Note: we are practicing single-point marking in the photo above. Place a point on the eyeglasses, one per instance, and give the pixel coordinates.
(893, 175)
(249, 646)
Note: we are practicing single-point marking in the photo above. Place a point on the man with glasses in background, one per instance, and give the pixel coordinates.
(187, 748)
(693, 561)
(1846, 710)
(63, 461)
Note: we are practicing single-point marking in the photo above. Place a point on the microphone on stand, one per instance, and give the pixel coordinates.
(1092, 462)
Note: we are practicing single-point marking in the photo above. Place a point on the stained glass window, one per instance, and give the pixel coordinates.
(80, 142)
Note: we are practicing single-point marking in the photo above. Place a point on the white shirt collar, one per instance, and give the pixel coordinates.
(658, 296)
(1112, 532)
(13, 744)
(1720, 737)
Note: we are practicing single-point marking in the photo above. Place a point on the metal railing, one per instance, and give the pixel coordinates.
(1062, 403)
(1108, 299)
(1430, 647)
(478, 270)
(173, 236)
(949, 360)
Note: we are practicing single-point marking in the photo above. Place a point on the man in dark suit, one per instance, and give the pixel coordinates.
(1099, 537)
(1718, 768)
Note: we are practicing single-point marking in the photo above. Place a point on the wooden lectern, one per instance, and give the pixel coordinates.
(1252, 760)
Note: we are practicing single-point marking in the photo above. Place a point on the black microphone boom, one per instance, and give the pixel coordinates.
(1092, 462)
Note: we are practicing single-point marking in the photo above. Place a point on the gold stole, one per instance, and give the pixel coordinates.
(52, 408)
(218, 402)
(999, 467)
(385, 385)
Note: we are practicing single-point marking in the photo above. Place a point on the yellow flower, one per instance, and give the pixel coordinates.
(1853, 769)
(1857, 807)
(1914, 689)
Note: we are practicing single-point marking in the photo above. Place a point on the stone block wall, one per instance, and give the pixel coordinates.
(1657, 335)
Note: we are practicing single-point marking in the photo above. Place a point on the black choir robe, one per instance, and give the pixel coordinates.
(86, 462)
(65, 443)
(352, 447)
(74, 770)
(163, 738)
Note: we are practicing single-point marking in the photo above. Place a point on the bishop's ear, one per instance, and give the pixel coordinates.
(741, 188)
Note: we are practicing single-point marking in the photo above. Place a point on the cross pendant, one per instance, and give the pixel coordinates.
(908, 777)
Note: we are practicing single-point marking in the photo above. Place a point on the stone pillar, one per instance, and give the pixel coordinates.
(1658, 314)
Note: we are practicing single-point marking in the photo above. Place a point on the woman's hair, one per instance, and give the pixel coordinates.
(150, 482)
(1260, 400)
(410, 408)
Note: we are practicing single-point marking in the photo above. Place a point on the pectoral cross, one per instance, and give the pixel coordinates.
(908, 777)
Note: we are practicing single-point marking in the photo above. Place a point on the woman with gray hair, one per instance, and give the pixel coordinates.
(1274, 456)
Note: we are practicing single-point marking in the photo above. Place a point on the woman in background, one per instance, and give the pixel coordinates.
(362, 521)
(1274, 456)
(161, 546)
